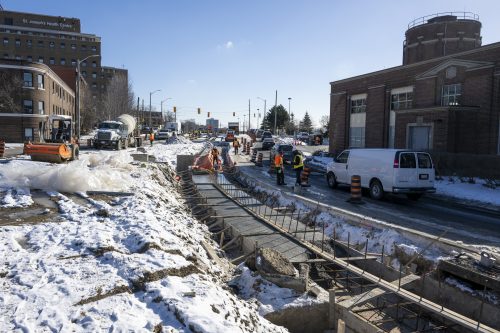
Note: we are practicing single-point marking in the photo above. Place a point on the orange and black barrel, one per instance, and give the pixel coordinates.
(254, 156)
(355, 189)
(304, 177)
(272, 167)
(2, 148)
(259, 160)
(248, 149)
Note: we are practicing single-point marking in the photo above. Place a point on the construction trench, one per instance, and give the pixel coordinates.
(361, 291)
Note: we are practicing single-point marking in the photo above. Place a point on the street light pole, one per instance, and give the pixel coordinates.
(77, 99)
(151, 93)
(275, 112)
(258, 118)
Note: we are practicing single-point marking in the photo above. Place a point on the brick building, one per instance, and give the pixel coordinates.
(58, 43)
(444, 98)
(30, 93)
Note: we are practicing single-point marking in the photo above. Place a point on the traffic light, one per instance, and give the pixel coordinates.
(208, 114)
(199, 111)
(175, 109)
(234, 114)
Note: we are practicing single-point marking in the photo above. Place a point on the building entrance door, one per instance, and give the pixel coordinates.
(419, 137)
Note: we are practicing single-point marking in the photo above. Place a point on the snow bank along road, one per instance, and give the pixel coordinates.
(125, 263)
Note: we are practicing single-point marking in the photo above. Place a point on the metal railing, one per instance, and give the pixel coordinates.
(459, 16)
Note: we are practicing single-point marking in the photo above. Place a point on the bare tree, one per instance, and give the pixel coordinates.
(10, 91)
(118, 98)
(189, 125)
(324, 122)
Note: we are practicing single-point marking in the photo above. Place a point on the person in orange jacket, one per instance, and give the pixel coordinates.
(280, 169)
(151, 138)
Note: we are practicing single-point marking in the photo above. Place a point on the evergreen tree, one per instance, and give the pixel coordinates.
(306, 124)
(281, 119)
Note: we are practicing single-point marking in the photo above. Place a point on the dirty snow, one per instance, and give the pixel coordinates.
(129, 264)
(453, 187)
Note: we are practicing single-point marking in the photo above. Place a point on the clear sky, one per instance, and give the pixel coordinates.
(219, 54)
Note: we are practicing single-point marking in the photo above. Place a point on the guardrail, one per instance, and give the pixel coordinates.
(459, 15)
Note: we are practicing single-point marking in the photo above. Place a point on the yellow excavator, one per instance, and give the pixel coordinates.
(60, 147)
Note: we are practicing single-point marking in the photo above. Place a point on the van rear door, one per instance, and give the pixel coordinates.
(426, 172)
(406, 175)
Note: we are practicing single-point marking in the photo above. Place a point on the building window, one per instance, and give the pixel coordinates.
(18, 42)
(27, 106)
(73, 46)
(29, 43)
(51, 44)
(94, 75)
(18, 57)
(94, 64)
(40, 82)
(84, 64)
(73, 62)
(41, 107)
(94, 49)
(40, 59)
(40, 43)
(28, 79)
(94, 85)
(84, 73)
(63, 61)
(357, 137)
(451, 94)
(84, 47)
(5, 41)
(28, 134)
(63, 45)
(402, 101)
(29, 58)
(52, 61)
(6, 55)
(9, 21)
(358, 105)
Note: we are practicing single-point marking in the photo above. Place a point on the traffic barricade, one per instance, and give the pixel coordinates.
(254, 156)
(304, 177)
(2, 148)
(259, 160)
(355, 190)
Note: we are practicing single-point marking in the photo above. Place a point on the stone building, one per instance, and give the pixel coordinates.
(444, 98)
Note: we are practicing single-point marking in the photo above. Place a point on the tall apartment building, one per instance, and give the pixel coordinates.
(58, 43)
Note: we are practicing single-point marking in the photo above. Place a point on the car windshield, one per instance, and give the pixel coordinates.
(286, 148)
(109, 126)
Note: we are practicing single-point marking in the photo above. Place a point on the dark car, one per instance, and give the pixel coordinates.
(267, 143)
(319, 161)
(287, 152)
(266, 135)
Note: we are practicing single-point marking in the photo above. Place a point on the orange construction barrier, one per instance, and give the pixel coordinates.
(304, 177)
(254, 155)
(2, 148)
(355, 190)
(48, 152)
(272, 166)
(247, 151)
(259, 160)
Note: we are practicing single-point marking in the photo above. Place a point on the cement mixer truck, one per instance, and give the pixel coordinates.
(117, 133)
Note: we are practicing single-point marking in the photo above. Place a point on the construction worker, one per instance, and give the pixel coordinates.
(298, 165)
(236, 145)
(280, 169)
(215, 158)
(151, 138)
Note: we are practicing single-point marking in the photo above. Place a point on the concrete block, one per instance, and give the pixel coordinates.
(184, 162)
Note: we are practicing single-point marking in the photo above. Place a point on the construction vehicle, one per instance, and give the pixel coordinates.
(117, 133)
(60, 147)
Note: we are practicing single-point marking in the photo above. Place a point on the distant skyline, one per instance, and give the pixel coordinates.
(217, 55)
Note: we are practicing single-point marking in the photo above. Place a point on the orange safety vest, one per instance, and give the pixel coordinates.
(278, 161)
(151, 137)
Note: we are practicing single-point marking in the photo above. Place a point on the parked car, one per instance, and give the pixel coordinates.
(287, 150)
(266, 135)
(315, 139)
(162, 134)
(267, 143)
(319, 161)
(303, 136)
(258, 135)
(385, 171)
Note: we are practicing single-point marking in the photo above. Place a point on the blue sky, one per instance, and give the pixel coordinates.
(219, 54)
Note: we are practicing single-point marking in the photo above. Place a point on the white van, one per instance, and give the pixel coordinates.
(384, 170)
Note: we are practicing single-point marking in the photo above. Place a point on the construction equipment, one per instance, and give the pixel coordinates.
(117, 133)
(60, 147)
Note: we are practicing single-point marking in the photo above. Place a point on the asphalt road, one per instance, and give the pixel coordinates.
(436, 217)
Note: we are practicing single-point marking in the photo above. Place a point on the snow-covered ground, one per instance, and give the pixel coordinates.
(453, 187)
(130, 263)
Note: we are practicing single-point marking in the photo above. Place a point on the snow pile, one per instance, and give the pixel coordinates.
(453, 187)
(18, 197)
(168, 153)
(271, 298)
(129, 264)
(97, 171)
(177, 140)
(291, 141)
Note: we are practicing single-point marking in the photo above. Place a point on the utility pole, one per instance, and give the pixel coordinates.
(143, 117)
(137, 114)
(275, 111)
(249, 114)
